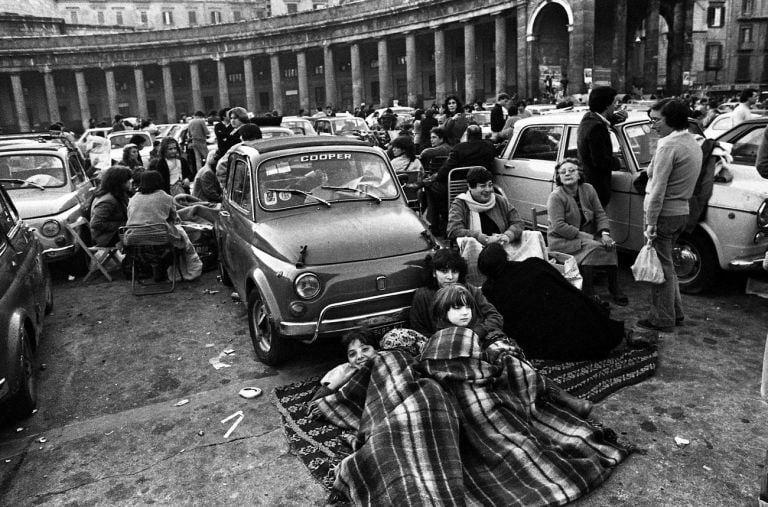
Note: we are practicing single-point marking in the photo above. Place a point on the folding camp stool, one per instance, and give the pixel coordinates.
(147, 245)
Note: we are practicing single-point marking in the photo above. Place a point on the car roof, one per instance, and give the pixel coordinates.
(571, 118)
(287, 142)
(7, 145)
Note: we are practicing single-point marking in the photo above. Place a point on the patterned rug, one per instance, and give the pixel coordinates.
(321, 447)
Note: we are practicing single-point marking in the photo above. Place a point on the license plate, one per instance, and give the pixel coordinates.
(378, 332)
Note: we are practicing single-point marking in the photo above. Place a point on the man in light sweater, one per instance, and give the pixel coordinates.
(743, 111)
(672, 176)
(198, 133)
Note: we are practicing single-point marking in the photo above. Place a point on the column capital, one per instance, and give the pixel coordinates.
(46, 69)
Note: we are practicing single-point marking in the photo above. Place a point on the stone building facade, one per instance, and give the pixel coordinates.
(413, 51)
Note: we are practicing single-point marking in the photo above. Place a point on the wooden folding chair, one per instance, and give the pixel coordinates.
(98, 256)
(535, 214)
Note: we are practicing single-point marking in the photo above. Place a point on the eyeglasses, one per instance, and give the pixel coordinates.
(655, 121)
(568, 170)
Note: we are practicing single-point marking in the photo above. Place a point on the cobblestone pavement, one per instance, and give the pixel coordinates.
(109, 432)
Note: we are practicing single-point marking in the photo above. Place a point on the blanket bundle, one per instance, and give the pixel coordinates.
(452, 428)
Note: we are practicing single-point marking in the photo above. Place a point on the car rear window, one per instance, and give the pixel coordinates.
(539, 142)
(282, 180)
(45, 170)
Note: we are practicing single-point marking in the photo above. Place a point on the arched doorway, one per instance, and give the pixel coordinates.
(550, 54)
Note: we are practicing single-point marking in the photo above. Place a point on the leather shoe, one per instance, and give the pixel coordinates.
(582, 408)
(647, 324)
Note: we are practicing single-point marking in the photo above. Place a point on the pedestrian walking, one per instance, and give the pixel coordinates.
(672, 176)
(198, 135)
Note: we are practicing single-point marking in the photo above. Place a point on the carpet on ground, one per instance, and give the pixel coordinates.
(321, 446)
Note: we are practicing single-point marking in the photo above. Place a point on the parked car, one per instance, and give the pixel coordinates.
(315, 235)
(347, 126)
(723, 122)
(272, 132)
(483, 119)
(404, 115)
(49, 187)
(730, 236)
(118, 140)
(299, 126)
(27, 295)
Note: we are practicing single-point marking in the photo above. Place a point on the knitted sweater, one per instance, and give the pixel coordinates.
(154, 208)
(672, 176)
(565, 219)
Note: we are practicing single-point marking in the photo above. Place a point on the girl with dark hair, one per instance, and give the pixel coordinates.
(404, 152)
(456, 122)
(578, 225)
(109, 208)
(174, 169)
(447, 267)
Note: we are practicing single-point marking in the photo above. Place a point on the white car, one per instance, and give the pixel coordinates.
(403, 114)
(724, 122)
(272, 132)
(93, 144)
(300, 126)
(117, 140)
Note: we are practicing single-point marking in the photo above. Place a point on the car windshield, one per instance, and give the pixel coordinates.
(347, 176)
(643, 140)
(342, 125)
(482, 118)
(121, 139)
(44, 170)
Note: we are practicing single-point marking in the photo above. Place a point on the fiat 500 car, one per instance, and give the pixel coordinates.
(730, 236)
(49, 187)
(26, 295)
(315, 235)
(346, 126)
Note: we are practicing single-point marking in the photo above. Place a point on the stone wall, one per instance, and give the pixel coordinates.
(43, 8)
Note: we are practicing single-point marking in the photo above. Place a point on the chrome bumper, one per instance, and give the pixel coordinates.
(59, 252)
(746, 264)
(324, 325)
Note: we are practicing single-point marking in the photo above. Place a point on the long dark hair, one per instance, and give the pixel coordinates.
(113, 182)
(151, 181)
(445, 258)
(165, 144)
(405, 143)
(451, 296)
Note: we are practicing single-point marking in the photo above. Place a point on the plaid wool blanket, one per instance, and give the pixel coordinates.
(454, 429)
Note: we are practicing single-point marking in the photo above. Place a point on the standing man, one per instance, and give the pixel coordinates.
(594, 141)
(672, 176)
(198, 135)
(499, 115)
(743, 111)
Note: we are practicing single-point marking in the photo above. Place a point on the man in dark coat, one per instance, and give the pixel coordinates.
(499, 114)
(594, 141)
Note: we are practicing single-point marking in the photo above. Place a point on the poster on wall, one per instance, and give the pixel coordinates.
(587, 75)
(601, 76)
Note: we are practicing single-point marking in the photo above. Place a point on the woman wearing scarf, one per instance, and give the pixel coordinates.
(481, 214)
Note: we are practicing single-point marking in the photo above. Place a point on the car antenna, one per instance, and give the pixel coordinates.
(302, 256)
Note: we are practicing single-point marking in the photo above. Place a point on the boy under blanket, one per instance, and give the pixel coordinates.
(453, 428)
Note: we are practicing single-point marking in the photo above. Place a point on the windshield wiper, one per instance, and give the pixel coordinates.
(355, 190)
(23, 183)
(296, 191)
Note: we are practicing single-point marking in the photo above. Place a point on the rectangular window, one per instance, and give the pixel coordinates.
(235, 78)
(192, 18)
(167, 18)
(401, 60)
(539, 143)
(100, 17)
(73, 17)
(747, 7)
(215, 17)
(237, 16)
(713, 57)
(292, 8)
(118, 18)
(743, 73)
(715, 16)
(745, 34)
(290, 73)
(143, 17)
(318, 70)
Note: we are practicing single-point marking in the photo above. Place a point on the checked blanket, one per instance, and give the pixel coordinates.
(455, 429)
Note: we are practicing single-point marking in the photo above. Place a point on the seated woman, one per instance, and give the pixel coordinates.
(467, 423)
(152, 205)
(576, 221)
(109, 208)
(446, 267)
(547, 316)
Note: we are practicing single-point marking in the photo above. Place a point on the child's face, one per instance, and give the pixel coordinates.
(446, 277)
(358, 353)
(460, 316)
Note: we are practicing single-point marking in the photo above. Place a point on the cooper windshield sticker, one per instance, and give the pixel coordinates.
(325, 156)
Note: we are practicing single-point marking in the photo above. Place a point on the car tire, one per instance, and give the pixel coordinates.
(695, 262)
(48, 292)
(25, 400)
(223, 275)
(270, 347)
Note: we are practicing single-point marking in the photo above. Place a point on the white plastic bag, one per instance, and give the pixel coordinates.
(567, 266)
(647, 266)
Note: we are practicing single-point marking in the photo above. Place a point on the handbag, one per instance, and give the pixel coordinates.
(647, 266)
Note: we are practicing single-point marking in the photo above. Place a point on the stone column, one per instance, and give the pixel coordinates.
(223, 87)
(329, 72)
(82, 97)
(385, 75)
(581, 49)
(500, 44)
(19, 103)
(619, 56)
(50, 95)
(170, 101)
(440, 88)
(197, 94)
(357, 74)
(411, 71)
(651, 57)
(109, 78)
(301, 72)
(676, 51)
(523, 62)
(277, 90)
(141, 93)
(470, 63)
(250, 88)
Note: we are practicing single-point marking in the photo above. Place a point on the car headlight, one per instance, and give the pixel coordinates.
(50, 228)
(762, 215)
(307, 285)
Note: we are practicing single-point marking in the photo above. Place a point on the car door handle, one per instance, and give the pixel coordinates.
(509, 165)
(224, 214)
